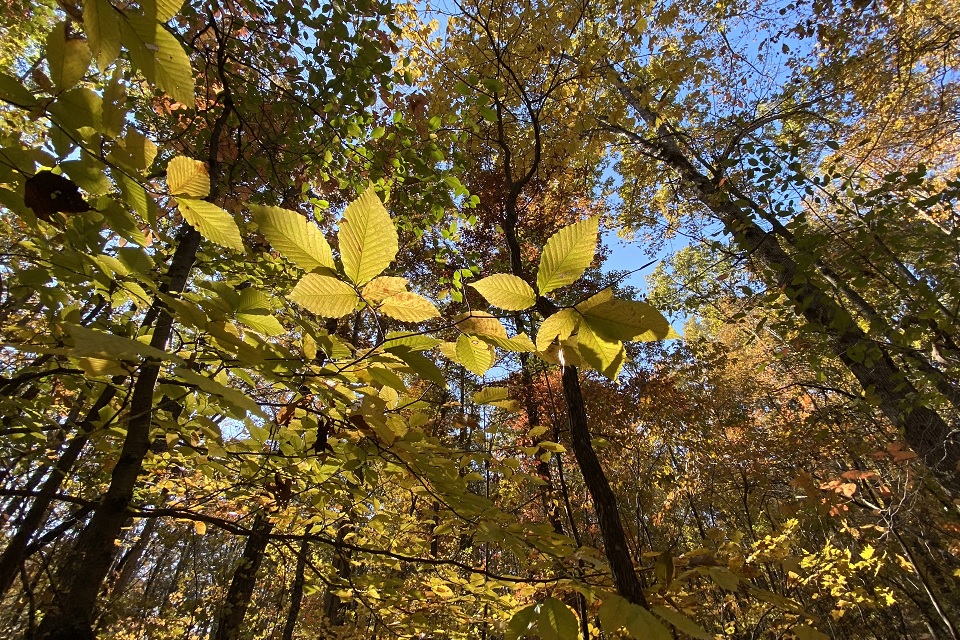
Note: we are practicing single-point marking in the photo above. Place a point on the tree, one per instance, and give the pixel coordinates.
(300, 291)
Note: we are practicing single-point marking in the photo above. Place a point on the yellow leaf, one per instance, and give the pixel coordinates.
(188, 177)
(368, 238)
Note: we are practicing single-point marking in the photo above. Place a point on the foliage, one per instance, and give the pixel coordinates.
(307, 327)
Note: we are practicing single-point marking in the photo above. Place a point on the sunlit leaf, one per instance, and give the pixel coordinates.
(213, 223)
(188, 177)
(627, 320)
(324, 295)
(409, 307)
(383, 287)
(68, 58)
(603, 355)
(480, 323)
(368, 238)
(474, 354)
(559, 326)
(567, 255)
(506, 292)
(101, 23)
(159, 57)
(296, 238)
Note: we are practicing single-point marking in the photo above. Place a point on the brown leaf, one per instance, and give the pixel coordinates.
(285, 414)
(48, 193)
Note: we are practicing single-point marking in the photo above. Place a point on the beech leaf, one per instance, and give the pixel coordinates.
(324, 295)
(159, 57)
(559, 326)
(68, 58)
(567, 254)
(296, 238)
(368, 238)
(188, 177)
(213, 223)
(556, 621)
(506, 291)
(474, 354)
(409, 307)
(101, 23)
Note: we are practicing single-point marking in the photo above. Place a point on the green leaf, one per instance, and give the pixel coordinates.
(11, 90)
(567, 254)
(600, 297)
(421, 365)
(114, 106)
(159, 57)
(381, 288)
(682, 623)
(491, 394)
(474, 354)
(386, 377)
(506, 291)
(559, 326)
(605, 356)
(324, 295)
(556, 621)
(213, 223)
(68, 58)
(627, 320)
(212, 387)
(724, 577)
(412, 341)
(161, 10)
(368, 238)
(521, 624)
(296, 238)
(101, 23)
(89, 342)
(78, 108)
(262, 322)
(409, 307)
(617, 612)
(137, 152)
(188, 177)
(519, 343)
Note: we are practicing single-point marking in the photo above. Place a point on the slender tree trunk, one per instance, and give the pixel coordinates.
(924, 429)
(244, 580)
(604, 501)
(296, 592)
(129, 563)
(70, 614)
(332, 605)
(13, 555)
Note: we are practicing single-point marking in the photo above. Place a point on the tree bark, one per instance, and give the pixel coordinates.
(244, 580)
(924, 429)
(296, 592)
(604, 501)
(14, 554)
(70, 614)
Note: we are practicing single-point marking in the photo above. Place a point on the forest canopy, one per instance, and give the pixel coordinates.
(315, 320)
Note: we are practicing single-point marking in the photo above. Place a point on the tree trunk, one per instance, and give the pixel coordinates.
(14, 554)
(604, 501)
(296, 592)
(70, 615)
(924, 429)
(332, 605)
(244, 580)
